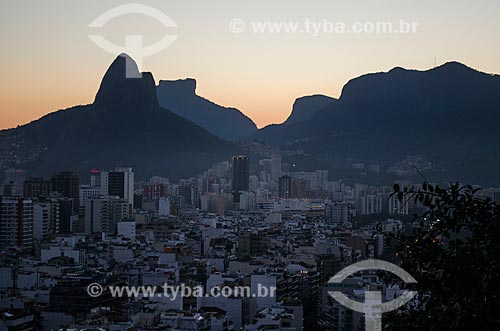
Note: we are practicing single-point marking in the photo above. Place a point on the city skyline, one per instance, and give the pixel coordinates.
(244, 166)
(261, 74)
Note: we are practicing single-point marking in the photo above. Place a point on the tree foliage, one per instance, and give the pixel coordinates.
(453, 251)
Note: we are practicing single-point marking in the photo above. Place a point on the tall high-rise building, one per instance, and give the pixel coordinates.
(253, 183)
(397, 207)
(95, 178)
(118, 183)
(16, 222)
(190, 195)
(87, 192)
(14, 180)
(208, 202)
(102, 214)
(285, 187)
(207, 184)
(321, 180)
(155, 191)
(9, 189)
(275, 167)
(241, 173)
(46, 217)
(41, 219)
(371, 204)
(222, 169)
(339, 212)
(45, 214)
(36, 188)
(299, 188)
(65, 214)
(67, 183)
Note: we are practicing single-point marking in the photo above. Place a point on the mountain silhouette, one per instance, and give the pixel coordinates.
(180, 97)
(449, 115)
(125, 126)
(303, 108)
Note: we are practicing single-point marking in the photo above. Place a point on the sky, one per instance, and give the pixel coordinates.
(48, 62)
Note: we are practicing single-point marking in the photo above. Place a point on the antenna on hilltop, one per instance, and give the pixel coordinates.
(434, 62)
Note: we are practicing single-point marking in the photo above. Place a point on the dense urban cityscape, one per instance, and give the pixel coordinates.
(225, 227)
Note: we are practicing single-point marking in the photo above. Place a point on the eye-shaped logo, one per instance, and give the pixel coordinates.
(373, 307)
(133, 43)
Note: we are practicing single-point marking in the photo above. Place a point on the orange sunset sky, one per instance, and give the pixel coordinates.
(49, 62)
